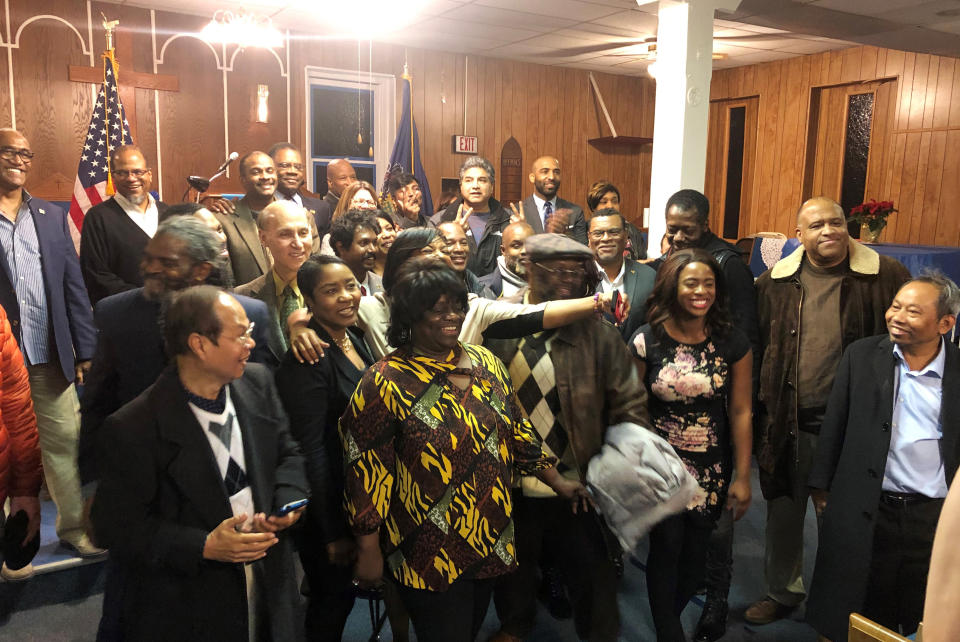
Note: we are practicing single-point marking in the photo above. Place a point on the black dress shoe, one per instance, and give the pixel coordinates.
(713, 622)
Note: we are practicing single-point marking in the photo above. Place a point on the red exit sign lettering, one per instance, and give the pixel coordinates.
(465, 144)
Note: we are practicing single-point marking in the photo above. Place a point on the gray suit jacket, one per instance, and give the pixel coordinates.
(243, 243)
(263, 289)
(576, 226)
(376, 283)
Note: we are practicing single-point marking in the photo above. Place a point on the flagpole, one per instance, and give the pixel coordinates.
(109, 55)
(406, 76)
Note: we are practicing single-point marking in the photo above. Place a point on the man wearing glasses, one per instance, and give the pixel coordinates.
(290, 180)
(42, 291)
(608, 240)
(116, 230)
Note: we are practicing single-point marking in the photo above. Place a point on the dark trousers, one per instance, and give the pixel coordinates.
(902, 543)
(331, 591)
(577, 544)
(454, 615)
(675, 566)
(719, 562)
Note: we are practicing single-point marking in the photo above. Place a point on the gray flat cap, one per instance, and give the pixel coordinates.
(544, 247)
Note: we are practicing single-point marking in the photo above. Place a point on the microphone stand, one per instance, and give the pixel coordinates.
(201, 184)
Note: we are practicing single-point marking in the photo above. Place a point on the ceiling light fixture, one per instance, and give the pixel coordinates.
(243, 29)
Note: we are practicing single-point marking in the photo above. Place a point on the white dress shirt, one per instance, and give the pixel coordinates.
(146, 221)
(606, 285)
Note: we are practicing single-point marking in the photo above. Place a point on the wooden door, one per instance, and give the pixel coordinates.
(731, 165)
(848, 124)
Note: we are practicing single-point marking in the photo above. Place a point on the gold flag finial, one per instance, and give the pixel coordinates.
(109, 26)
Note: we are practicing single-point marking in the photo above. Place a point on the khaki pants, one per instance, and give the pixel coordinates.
(784, 536)
(58, 424)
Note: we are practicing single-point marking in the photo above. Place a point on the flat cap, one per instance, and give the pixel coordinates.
(544, 247)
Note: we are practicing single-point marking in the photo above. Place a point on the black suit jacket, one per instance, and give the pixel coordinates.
(638, 282)
(111, 248)
(850, 461)
(162, 493)
(315, 396)
(70, 316)
(576, 225)
(130, 357)
(322, 211)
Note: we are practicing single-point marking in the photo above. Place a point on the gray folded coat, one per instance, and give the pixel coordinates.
(637, 480)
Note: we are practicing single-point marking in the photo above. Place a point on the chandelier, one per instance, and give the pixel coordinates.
(243, 29)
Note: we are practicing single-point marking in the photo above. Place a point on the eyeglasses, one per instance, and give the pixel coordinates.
(613, 232)
(563, 274)
(9, 153)
(296, 166)
(247, 335)
(126, 173)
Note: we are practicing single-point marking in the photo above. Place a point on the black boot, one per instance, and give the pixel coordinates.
(553, 594)
(713, 621)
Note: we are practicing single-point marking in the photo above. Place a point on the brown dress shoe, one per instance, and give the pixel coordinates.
(766, 611)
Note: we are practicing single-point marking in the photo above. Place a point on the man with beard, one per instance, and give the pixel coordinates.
(353, 238)
(285, 231)
(258, 176)
(290, 179)
(222, 273)
(116, 230)
(481, 214)
(129, 355)
(42, 291)
(544, 210)
(585, 381)
(608, 240)
(404, 190)
(510, 275)
(457, 248)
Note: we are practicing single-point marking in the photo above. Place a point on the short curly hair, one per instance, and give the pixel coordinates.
(420, 284)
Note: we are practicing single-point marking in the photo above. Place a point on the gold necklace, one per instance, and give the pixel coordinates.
(345, 344)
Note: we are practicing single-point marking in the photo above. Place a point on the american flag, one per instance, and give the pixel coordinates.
(108, 129)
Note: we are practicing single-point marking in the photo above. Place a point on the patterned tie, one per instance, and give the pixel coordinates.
(288, 304)
(547, 213)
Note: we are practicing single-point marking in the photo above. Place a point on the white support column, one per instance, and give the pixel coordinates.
(684, 67)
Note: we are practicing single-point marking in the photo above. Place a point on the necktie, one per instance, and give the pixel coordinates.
(547, 213)
(288, 304)
(363, 290)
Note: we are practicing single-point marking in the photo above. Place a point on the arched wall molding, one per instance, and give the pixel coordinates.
(26, 23)
(163, 49)
(283, 71)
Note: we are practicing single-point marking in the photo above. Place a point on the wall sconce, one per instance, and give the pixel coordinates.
(263, 92)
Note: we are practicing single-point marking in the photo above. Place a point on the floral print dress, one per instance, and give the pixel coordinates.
(689, 386)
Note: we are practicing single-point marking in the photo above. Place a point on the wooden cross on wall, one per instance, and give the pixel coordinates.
(128, 81)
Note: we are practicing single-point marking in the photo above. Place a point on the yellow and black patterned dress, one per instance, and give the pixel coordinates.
(433, 464)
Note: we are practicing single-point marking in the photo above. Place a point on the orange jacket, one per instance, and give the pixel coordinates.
(19, 443)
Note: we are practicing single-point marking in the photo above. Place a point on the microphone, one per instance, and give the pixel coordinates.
(232, 157)
(202, 184)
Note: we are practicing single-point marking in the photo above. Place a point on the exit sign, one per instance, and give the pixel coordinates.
(465, 144)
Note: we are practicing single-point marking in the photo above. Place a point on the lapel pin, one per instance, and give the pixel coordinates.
(42, 211)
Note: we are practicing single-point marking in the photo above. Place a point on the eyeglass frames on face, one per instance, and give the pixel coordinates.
(9, 153)
(126, 173)
(613, 232)
(562, 274)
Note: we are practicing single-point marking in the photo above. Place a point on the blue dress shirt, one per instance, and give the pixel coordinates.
(21, 247)
(914, 461)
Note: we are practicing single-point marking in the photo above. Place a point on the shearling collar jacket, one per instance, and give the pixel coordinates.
(869, 285)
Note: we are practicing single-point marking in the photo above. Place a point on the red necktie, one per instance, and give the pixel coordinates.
(363, 290)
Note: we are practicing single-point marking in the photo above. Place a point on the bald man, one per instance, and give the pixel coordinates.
(812, 304)
(544, 210)
(340, 176)
(510, 275)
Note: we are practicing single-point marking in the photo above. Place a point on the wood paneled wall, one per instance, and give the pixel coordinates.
(915, 149)
(549, 110)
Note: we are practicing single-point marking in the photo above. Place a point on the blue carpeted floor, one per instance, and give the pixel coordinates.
(64, 605)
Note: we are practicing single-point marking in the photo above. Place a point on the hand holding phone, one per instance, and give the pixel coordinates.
(289, 507)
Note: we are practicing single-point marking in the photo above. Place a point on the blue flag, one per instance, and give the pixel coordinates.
(406, 153)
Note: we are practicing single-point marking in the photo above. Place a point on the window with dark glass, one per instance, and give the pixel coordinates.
(856, 151)
(734, 181)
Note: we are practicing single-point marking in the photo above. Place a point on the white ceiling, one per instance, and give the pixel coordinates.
(584, 33)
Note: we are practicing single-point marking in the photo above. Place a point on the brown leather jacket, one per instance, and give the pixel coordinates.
(868, 288)
(596, 380)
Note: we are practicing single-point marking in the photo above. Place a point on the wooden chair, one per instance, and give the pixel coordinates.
(866, 630)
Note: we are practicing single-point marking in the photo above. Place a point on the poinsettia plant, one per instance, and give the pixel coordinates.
(873, 214)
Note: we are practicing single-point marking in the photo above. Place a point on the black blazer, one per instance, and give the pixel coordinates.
(111, 248)
(162, 493)
(638, 281)
(130, 357)
(71, 319)
(320, 210)
(850, 461)
(315, 396)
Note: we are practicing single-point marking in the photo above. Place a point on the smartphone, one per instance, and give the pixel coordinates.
(617, 304)
(291, 506)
